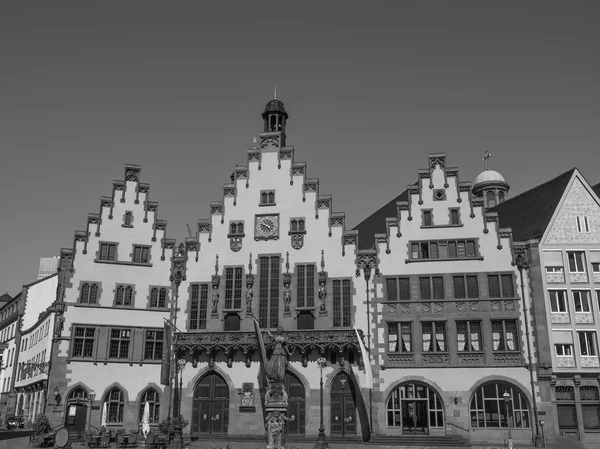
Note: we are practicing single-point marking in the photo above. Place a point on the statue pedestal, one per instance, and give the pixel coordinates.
(276, 418)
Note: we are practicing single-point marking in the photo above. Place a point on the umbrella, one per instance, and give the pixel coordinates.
(103, 422)
(146, 420)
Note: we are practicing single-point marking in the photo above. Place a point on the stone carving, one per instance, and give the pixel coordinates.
(297, 241)
(247, 395)
(235, 243)
(507, 358)
(426, 307)
(429, 359)
(392, 308)
(560, 318)
(509, 305)
(474, 306)
(584, 318)
(460, 306)
(578, 278)
(439, 306)
(249, 295)
(275, 430)
(215, 302)
(404, 308)
(401, 359)
(555, 278)
(287, 295)
(495, 306)
(470, 359)
(590, 362)
(565, 362)
(276, 365)
(323, 293)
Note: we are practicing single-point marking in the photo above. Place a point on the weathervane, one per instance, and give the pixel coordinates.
(486, 159)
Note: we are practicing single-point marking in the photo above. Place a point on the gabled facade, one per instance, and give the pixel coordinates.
(112, 298)
(449, 338)
(557, 229)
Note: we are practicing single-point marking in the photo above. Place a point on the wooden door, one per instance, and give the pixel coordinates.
(76, 418)
(296, 424)
(343, 406)
(210, 409)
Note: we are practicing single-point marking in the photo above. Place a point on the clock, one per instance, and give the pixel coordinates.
(266, 227)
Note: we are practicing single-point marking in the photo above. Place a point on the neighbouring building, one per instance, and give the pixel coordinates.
(48, 266)
(9, 323)
(556, 229)
(449, 339)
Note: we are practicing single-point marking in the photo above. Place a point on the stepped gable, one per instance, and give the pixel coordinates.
(142, 210)
(529, 213)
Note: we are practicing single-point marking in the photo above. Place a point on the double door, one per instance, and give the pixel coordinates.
(210, 410)
(343, 406)
(414, 416)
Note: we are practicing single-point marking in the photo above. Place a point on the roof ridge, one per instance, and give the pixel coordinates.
(539, 186)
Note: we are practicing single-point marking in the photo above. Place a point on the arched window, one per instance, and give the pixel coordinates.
(414, 407)
(152, 397)
(500, 197)
(78, 394)
(490, 198)
(490, 409)
(128, 218)
(116, 403)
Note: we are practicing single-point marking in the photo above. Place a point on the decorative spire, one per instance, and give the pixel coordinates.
(486, 159)
(217, 266)
(322, 260)
(250, 264)
(287, 262)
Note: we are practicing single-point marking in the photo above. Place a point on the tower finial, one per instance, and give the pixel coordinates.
(486, 159)
(275, 94)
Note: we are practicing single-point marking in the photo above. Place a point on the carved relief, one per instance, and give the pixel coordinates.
(565, 362)
(235, 243)
(495, 306)
(430, 359)
(249, 294)
(590, 362)
(460, 306)
(287, 295)
(323, 293)
(560, 318)
(578, 278)
(509, 305)
(507, 358)
(470, 359)
(247, 395)
(297, 241)
(439, 306)
(584, 318)
(474, 306)
(401, 359)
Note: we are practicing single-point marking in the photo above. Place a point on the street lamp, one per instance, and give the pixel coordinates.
(321, 441)
(92, 396)
(543, 435)
(56, 396)
(506, 397)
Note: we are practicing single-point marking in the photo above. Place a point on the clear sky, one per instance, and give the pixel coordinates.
(371, 88)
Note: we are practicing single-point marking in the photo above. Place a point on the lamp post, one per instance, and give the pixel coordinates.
(56, 396)
(321, 441)
(92, 396)
(543, 435)
(506, 397)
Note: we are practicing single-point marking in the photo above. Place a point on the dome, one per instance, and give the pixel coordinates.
(275, 105)
(489, 176)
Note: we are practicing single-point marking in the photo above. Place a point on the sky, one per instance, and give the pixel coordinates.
(370, 87)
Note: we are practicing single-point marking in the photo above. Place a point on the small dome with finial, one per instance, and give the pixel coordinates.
(275, 106)
(491, 185)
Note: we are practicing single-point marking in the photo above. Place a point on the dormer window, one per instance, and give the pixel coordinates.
(267, 197)
(236, 228)
(128, 219)
(297, 225)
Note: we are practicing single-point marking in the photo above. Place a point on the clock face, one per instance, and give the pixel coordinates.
(267, 226)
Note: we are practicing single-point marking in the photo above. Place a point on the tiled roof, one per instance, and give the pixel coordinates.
(5, 298)
(529, 213)
(375, 223)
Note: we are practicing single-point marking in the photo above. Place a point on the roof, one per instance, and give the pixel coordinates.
(529, 213)
(596, 189)
(489, 176)
(375, 223)
(5, 298)
(275, 105)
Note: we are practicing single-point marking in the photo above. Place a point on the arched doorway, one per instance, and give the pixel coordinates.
(415, 408)
(296, 424)
(210, 412)
(76, 416)
(343, 406)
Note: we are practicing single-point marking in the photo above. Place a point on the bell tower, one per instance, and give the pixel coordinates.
(275, 117)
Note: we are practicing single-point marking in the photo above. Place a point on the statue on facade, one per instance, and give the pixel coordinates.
(249, 295)
(287, 299)
(322, 295)
(275, 429)
(215, 301)
(276, 365)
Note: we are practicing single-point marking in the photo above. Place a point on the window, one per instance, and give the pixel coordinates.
(268, 299)
(397, 289)
(198, 306)
(116, 404)
(399, 337)
(341, 303)
(128, 219)
(427, 218)
(563, 350)
(89, 293)
(232, 322)
(83, 341)
(504, 336)
(124, 295)
(267, 197)
(581, 299)
(583, 225)
(501, 197)
(443, 249)
(158, 297)
(576, 261)
(468, 335)
(108, 251)
(306, 286)
(233, 288)
(590, 407)
(459, 287)
(236, 228)
(454, 217)
(596, 267)
(434, 337)
(119, 343)
(491, 199)
(154, 345)
(141, 254)
(401, 406)
(297, 225)
(501, 286)
(438, 287)
(488, 408)
(434, 284)
(558, 301)
(554, 269)
(587, 343)
(425, 288)
(152, 397)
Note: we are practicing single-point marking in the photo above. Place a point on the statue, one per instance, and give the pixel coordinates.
(287, 299)
(215, 301)
(322, 295)
(275, 430)
(249, 296)
(275, 366)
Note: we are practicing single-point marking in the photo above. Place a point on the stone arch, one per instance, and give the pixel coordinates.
(499, 378)
(105, 397)
(161, 399)
(210, 405)
(74, 387)
(361, 407)
(193, 382)
(414, 379)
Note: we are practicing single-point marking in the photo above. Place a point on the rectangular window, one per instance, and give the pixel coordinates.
(83, 341)
(472, 287)
(233, 288)
(267, 197)
(268, 300)
(494, 286)
(576, 261)
(154, 345)
(438, 287)
(297, 225)
(398, 289)
(504, 336)
(88, 293)
(452, 254)
(198, 306)
(119, 343)
(342, 303)
(581, 300)
(236, 227)
(563, 350)
(558, 301)
(158, 297)
(425, 288)
(306, 286)
(554, 269)
(596, 267)
(141, 254)
(507, 286)
(124, 295)
(587, 343)
(454, 218)
(459, 287)
(468, 335)
(399, 337)
(434, 337)
(427, 220)
(108, 251)
(583, 225)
